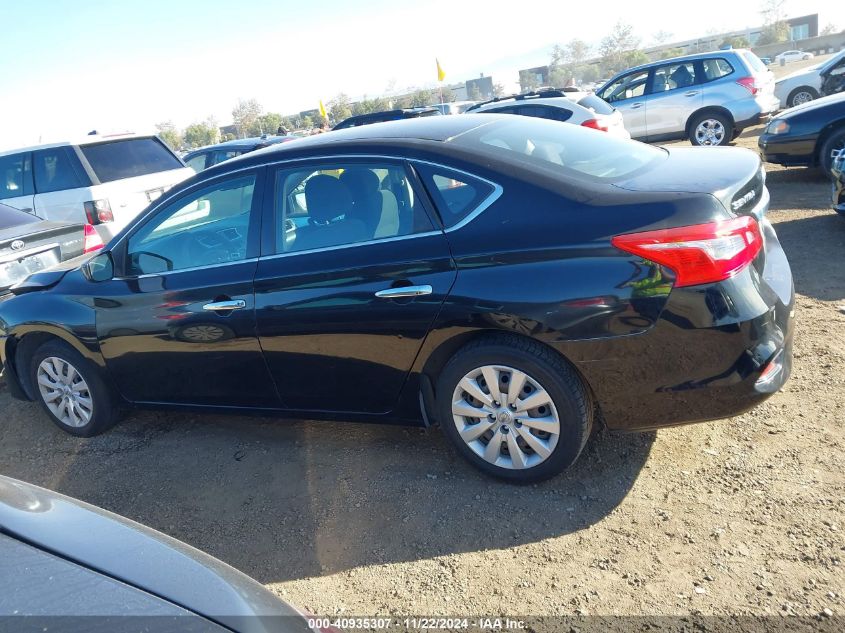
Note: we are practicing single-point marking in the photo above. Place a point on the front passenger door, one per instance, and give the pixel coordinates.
(628, 94)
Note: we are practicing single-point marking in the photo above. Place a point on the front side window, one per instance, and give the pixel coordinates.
(673, 77)
(128, 158)
(456, 195)
(628, 86)
(15, 176)
(55, 170)
(338, 204)
(202, 229)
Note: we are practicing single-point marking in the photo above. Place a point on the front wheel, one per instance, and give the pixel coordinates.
(801, 95)
(71, 391)
(835, 141)
(711, 130)
(514, 409)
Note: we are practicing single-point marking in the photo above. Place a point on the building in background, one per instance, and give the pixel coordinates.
(480, 89)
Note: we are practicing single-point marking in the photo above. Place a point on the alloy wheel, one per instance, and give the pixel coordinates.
(710, 132)
(65, 392)
(505, 417)
(801, 97)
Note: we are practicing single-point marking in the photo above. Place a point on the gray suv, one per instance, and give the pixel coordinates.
(708, 98)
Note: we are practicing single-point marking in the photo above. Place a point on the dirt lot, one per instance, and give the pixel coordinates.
(740, 516)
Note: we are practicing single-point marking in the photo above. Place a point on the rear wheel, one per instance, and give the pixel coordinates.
(71, 391)
(801, 95)
(711, 129)
(514, 409)
(835, 141)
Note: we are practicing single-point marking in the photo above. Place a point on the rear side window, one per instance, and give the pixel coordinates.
(197, 163)
(752, 60)
(456, 195)
(15, 176)
(596, 104)
(716, 69)
(129, 158)
(56, 169)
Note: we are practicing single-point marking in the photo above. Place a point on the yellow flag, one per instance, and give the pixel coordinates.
(323, 110)
(441, 74)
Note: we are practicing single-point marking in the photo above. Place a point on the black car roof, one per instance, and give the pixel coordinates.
(243, 143)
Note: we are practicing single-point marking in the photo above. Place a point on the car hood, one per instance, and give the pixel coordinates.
(804, 72)
(714, 170)
(816, 104)
(141, 557)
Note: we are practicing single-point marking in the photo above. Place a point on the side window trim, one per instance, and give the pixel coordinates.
(119, 251)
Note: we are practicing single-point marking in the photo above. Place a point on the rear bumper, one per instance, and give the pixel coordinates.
(717, 350)
(783, 149)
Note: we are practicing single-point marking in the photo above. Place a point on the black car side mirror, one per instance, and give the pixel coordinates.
(99, 268)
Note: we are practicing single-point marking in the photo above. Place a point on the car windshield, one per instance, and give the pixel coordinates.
(10, 217)
(537, 142)
(127, 158)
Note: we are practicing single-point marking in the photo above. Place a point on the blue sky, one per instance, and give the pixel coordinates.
(70, 66)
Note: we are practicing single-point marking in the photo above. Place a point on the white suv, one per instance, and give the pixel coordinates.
(102, 180)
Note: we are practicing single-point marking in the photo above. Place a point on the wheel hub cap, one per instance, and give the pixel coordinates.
(505, 417)
(65, 392)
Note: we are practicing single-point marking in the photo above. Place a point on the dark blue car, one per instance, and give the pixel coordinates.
(514, 280)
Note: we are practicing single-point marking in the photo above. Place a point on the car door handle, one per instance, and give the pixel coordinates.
(691, 93)
(634, 106)
(224, 306)
(404, 291)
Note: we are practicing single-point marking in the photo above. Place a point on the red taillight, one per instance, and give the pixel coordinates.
(698, 254)
(595, 124)
(750, 84)
(93, 241)
(98, 211)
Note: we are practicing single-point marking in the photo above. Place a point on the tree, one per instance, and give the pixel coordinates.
(829, 29)
(666, 53)
(736, 41)
(446, 94)
(367, 106)
(775, 27)
(528, 81)
(339, 108)
(661, 37)
(307, 123)
(245, 115)
(266, 124)
(498, 90)
(422, 97)
(168, 133)
(620, 50)
(568, 63)
(200, 134)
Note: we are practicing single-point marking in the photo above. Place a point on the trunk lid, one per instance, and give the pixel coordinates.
(32, 248)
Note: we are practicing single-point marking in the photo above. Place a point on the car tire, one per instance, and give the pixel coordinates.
(711, 129)
(801, 95)
(562, 408)
(71, 390)
(835, 141)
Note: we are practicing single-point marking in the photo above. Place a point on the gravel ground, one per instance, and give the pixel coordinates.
(742, 516)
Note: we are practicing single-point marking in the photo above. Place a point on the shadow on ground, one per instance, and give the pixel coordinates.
(287, 500)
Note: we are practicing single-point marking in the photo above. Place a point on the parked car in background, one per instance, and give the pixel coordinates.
(792, 56)
(454, 107)
(766, 60)
(62, 559)
(396, 273)
(577, 108)
(708, 98)
(806, 84)
(838, 173)
(102, 180)
(806, 135)
(387, 115)
(205, 157)
(29, 244)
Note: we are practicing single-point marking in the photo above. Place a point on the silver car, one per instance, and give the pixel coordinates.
(708, 98)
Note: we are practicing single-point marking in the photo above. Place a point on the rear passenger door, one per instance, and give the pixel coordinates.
(628, 95)
(674, 94)
(60, 184)
(16, 181)
(353, 273)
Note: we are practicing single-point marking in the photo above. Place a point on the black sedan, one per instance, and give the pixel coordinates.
(66, 565)
(29, 244)
(806, 135)
(387, 115)
(513, 279)
(206, 157)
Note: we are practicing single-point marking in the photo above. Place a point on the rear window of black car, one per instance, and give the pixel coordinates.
(128, 158)
(569, 148)
(456, 195)
(596, 104)
(10, 217)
